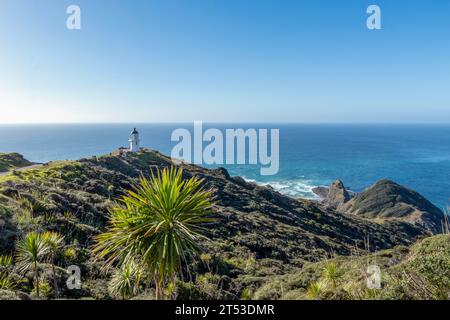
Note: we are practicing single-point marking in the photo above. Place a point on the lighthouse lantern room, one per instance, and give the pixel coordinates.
(134, 141)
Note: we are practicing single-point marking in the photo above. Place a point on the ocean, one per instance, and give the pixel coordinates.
(417, 156)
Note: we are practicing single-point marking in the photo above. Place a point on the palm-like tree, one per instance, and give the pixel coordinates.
(31, 250)
(54, 241)
(158, 224)
(125, 280)
(331, 274)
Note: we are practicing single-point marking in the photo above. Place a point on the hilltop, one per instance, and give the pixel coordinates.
(11, 161)
(259, 233)
(384, 201)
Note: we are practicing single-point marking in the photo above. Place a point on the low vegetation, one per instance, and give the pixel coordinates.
(11, 161)
(156, 228)
(262, 244)
(421, 271)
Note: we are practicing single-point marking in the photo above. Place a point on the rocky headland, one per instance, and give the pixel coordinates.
(259, 235)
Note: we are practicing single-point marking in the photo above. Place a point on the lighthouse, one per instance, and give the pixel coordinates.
(134, 141)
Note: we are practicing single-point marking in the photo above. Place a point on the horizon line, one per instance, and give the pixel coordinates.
(229, 122)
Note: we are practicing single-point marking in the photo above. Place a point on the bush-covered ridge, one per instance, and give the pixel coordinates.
(384, 201)
(259, 233)
(11, 161)
(389, 200)
(421, 271)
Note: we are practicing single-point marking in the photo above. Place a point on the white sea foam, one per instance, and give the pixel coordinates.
(296, 188)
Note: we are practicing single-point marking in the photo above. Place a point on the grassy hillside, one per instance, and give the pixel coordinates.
(10, 161)
(421, 271)
(389, 200)
(258, 233)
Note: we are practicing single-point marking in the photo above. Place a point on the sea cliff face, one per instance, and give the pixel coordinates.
(258, 233)
(384, 201)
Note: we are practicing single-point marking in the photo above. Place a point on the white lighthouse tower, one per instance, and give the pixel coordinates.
(134, 141)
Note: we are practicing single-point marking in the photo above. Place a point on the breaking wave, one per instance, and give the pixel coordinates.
(296, 188)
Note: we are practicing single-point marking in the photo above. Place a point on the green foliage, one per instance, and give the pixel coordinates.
(246, 294)
(31, 250)
(387, 200)
(264, 246)
(171, 290)
(420, 272)
(125, 280)
(427, 271)
(9, 161)
(45, 290)
(5, 261)
(158, 223)
(208, 284)
(237, 262)
(69, 216)
(27, 222)
(70, 253)
(6, 280)
(54, 241)
(332, 274)
(315, 290)
(32, 206)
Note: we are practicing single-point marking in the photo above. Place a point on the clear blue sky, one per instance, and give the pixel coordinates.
(225, 61)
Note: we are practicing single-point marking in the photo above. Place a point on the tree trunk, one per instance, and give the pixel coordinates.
(55, 282)
(158, 288)
(36, 275)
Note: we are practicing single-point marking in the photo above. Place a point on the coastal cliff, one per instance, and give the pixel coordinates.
(384, 201)
(258, 233)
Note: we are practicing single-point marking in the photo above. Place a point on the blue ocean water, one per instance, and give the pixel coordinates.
(417, 156)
